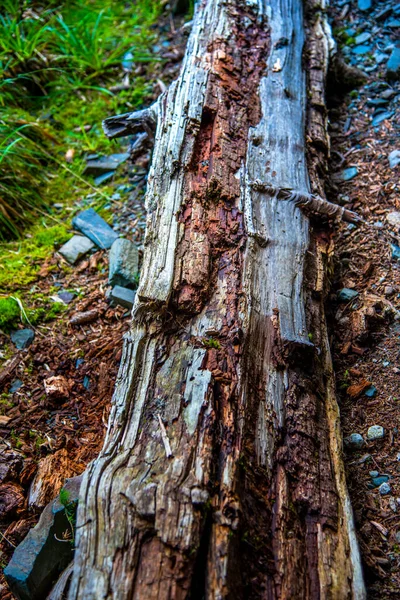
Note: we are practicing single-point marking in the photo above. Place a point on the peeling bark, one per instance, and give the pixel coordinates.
(221, 474)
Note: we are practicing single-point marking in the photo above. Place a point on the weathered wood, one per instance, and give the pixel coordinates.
(221, 473)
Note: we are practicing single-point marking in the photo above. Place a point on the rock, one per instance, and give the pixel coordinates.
(16, 384)
(384, 489)
(86, 382)
(373, 474)
(388, 94)
(371, 392)
(394, 160)
(383, 14)
(127, 61)
(393, 65)
(362, 38)
(380, 58)
(389, 290)
(362, 49)
(382, 117)
(105, 164)
(377, 481)
(395, 251)
(56, 388)
(364, 5)
(95, 228)
(22, 338)
(41, 557)
(66, 297)
(394, 218)
(103, 178)
(393, 504)
(376, 432)
(393, 23)
(346, 294)
(75, 248)
(377, 102)
(355, 441)
(349, 173)
(123, 263)
(123, 296)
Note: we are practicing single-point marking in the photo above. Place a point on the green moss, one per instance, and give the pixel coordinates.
(211, 343)
(9, 313)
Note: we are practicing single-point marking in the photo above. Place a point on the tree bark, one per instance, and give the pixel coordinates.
(221, 474)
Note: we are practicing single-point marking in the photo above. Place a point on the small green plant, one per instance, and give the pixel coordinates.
(211, 343)
(70, 512)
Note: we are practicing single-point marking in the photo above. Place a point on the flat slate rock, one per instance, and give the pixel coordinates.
(382, 117)
(123, 263)
(75, 248)
(349, 173)
(40, 557)
(22, 338)
(346, 294)
(105, 164)
(393, 64)
(123, 296)
(394, 158)
(95, 228)
(364, 5)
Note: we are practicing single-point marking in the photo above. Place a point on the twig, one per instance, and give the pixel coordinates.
(7, 540)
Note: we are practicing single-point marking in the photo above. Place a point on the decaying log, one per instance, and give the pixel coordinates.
(221, 473)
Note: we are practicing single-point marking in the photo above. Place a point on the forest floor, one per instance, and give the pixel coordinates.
(39, 435)
(365, 329)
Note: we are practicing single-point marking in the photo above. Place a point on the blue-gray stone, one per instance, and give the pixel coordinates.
(384, 489)
(355, 441)
(376, 432)
(377, 481)
(86, 382)
(95, 228)
(346, 294)
(377, 102)
(382, 117)
(16, 384)
(349, 173)
(393, 23)
(75, 248)
(383, 14)
(40, 557)
(395, 251)
(66, 297)
(371, 392)
(127, 61)
(123, 263)
(105, 164)
(122, 296)
(394, 158)
(364, 5)
(393, 64)
(362, 49)
(103, 178)
(373, 474)
(362, 38)
(79, 362)
(22, 338)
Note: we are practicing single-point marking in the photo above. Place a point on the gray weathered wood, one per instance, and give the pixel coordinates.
(221, 472)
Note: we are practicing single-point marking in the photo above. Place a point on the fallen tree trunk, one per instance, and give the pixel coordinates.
(221, 473)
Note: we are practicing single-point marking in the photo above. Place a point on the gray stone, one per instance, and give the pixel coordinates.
(66, 297)
(355, 441)
(40, 557)
(382, 117)
(395, 252)
(377, 102)
(388, 94)
(371, 392)
(123, 263)
(123, 296)
(377, 481)
(349, 173)
(95, 228)
(393, 23)
(384, 489)
(362, 38)
(22, 338)
(346, 294)
(383, 14)
(364, 5)
(373, 474)
(362, 49)
(103, 178)
(394, 160)
(380, 57)
(394, 218)
(16, 384)
(75, 248)
(393, 65)
(376, 432)
(105, 164)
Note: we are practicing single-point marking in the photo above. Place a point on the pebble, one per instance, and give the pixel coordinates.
(105, 164)
(384, 489)
(364, 5)
(389, 290)
(355, 441)
(373, 474)
(123, 263)
(362, 38)
(394, 160)
(376, 432)
(383, 14)
(362, 49)
(16, 384)
(346, 294)
(123, 296)
(66, 297)
(393, 504)
(75, 248)
(377, 481)
(22, 338)
(349, 173)
(95, 228)
(395, 251)
(371, 392)
(382, 117)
